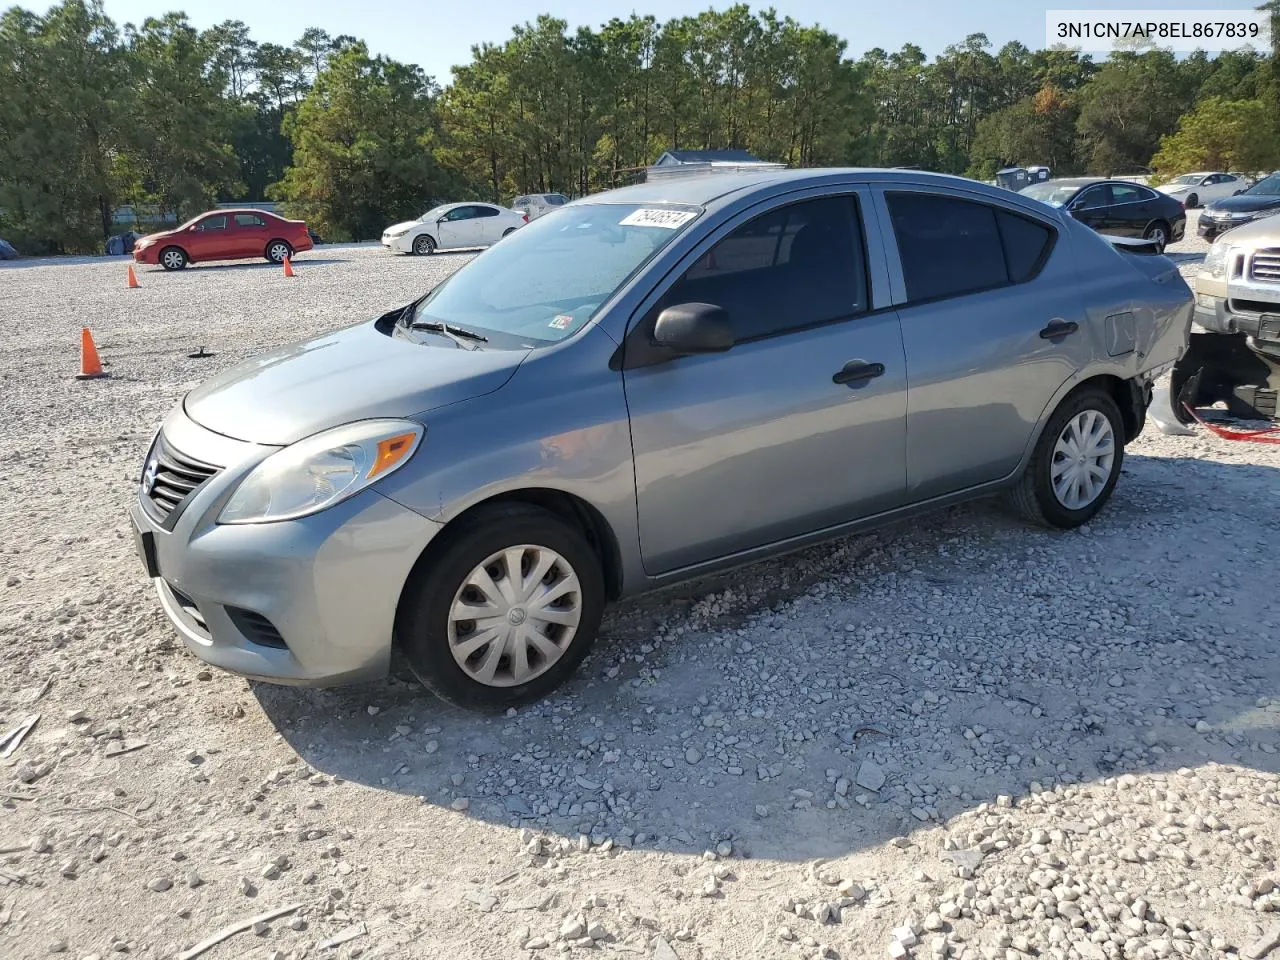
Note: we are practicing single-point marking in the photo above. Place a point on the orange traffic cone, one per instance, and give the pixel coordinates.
(288, 268)
(90, 365)
(133, 280)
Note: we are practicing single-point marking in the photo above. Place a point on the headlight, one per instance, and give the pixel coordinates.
(320, 471)
(398, 233)
(1215, 262)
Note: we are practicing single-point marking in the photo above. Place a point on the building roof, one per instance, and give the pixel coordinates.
(712, 156)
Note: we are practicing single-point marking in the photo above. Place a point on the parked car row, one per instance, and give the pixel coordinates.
(453, 226)
(1196, 189)
(1115, 207)
(1260, 200)
(224, 235)
(652, 384)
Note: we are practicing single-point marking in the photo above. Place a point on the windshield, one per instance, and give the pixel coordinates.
(1267, 187)
(1054, 194)
(546, 280)
(1191, 178)
(433, 212)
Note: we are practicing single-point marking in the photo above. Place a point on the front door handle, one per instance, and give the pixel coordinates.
(858, 371)
(1058, 329)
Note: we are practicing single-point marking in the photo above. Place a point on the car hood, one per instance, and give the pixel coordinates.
(402, 226)
(1245, 203)
(157, 236)
(358, 373)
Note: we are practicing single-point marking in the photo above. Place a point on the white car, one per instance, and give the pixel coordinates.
(453, 226)
(1197, 189)
(538, 204)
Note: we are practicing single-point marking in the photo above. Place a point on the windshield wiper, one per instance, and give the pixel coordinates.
(457, 334)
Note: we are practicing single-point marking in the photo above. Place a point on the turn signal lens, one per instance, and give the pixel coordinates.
(390, 452)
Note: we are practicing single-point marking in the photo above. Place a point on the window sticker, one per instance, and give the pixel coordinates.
(667, 219)
(561, 322)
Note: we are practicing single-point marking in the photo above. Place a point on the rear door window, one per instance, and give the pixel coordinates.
(249, 220)
(1127, 193)
(949, 247)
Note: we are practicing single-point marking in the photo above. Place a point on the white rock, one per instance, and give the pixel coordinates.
(869, 776)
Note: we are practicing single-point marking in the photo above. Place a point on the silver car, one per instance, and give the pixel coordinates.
(655, 383)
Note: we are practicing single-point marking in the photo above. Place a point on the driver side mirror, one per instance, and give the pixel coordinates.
(694, 328)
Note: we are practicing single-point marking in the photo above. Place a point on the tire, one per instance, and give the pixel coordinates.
(278, 251)
(1034, 496)
(429, 628)
(424, 245)
(173, 258)
(508, 232)
(1193, 201)
(1158, 231)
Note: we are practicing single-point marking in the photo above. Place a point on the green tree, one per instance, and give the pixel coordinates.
(363, 141)
(1127, 107)
(1040, 129)
(64, 92)
(1221, 135)
(178, 151)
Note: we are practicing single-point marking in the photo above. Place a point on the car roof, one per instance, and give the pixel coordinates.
(715, 189)
(1080, 181)
(234, 210)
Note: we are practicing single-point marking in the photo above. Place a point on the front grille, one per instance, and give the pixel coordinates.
(177, 476)
(256, 628)
(1265, 266)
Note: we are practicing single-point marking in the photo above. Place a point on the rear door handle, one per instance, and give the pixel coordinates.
(858, 371)
(1059, 328)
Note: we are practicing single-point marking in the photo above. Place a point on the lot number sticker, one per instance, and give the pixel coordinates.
(668, 219)
(561, 322)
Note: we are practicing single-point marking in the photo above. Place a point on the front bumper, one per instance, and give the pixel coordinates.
(399, 244)
(1210, 227)
(309, 601)
(149, 254)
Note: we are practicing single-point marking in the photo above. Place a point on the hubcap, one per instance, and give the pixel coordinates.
(423, 244)
(1158, 236)
(278, 252)
(172, 259)
(1083, 459)
(515, 616)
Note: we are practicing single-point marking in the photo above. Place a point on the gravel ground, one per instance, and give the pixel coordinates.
(960, 738)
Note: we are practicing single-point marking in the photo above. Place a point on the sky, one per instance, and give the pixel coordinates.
(438, 35)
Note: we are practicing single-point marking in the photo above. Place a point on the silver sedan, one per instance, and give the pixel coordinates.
(653, 384)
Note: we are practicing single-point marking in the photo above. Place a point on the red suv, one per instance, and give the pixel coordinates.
(224, 235)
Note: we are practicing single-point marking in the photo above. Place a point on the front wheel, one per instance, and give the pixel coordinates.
(423, 245)
(1076, 462)
(1193, 201)
(504, 610)
(278, 251)
(173, 258)
(1158, 233)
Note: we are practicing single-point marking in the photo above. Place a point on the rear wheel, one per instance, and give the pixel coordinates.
(509, 231)
(1076, 462)
(504, 610)
(173, 258)
(278, 251)
(1158, 232)
(424, 245)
